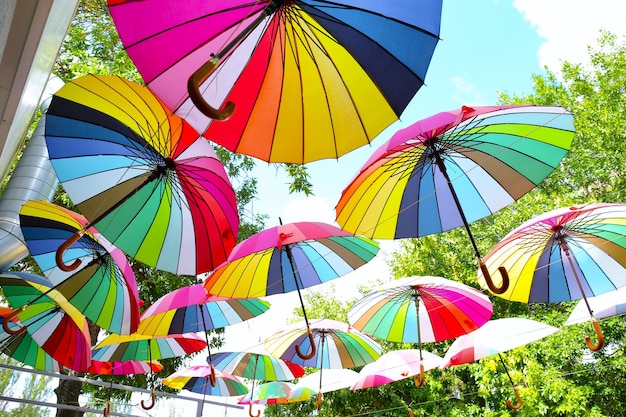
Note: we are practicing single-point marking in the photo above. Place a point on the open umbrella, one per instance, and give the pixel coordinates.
(308, 79)
(52, 322)
(570, 253)
(103, 288)
(194, 309)
(277, 392)
(22, 347)
(290, 257)
(130, 367)
(454, 168)
(493, 338)
(395, 365)
(118, 348)
(420, 309)
(141, 176)
(328, 380)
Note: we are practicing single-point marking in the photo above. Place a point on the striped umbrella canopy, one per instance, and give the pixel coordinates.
(569, 253)
(197, 379)
(336, 345)
(420, 309)
(304, 79)
(194, 309)
(144, 178)
(453, 168)
(103, 286)
(130, 367)
(52, 322)
(118, 348)
(272, 392)
(290, 257)
(257, 366)
(22, 347)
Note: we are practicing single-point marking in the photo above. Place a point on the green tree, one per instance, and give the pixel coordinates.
(558, 375)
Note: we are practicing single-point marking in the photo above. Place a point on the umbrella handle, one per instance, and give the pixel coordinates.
(65, 246)
(313, 348)
(107, 409)
(419, 378)
(258, 413)
(492, 287)
(519, 402)
(590, 345)
(319, 400)
(7, 319)
(148, 407)
(193, 87)
(212, 378)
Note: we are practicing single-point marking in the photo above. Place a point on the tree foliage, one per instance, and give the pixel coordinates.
(558, 375)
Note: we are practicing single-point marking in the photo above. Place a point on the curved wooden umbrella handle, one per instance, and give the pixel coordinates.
(590, 345)
(258, 413)
(313, 348)
(419, 378)
(519, 402)
(149, 407)
(193, 88)
(492, 287)
(319, 400)
(212, 378)
(65, 246)
(107, 409)
(7, 319)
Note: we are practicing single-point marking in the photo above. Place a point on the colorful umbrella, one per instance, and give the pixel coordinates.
(290, 257)
(142, 177)
(565, 254)
(104, 287)
(421, 309)
(338, 345)
(22, 347)
(454, 168)
(197, 379)
(396, 365)
(608, 304)
(272, 392)
(256, 366)
(52, 322)
(309, 79)
(495, 337)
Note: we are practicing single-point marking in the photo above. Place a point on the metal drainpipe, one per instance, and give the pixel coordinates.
(32, 179)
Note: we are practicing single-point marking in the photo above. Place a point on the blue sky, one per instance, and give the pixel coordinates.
(486, 46)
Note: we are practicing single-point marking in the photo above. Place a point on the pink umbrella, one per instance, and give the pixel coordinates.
(394, 366)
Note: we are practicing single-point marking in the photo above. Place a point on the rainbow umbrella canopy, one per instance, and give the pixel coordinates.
(103, 287)
(290, 257)
(197, 379)
(453, 168)
(420, 309)
(143, 177)
(569, 253)
(301, 80)
(51, 321)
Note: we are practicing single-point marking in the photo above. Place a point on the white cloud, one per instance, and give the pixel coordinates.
(569, 27)
(466, 92)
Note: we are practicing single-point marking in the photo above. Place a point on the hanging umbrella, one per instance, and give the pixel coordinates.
(309, 79)
(194, 309)
(117, 348)
(608, 304)
(290, 257)
(22, 347)
(52, 322)
(104, 287)
(257, 366)
(570, 253)
(395, 365)
(420, 309)
(276, 392)
(337, 345)
(197, 379)
(129, 367)
(454, 168)
(328, 380)
(142, 177)
(493, 338)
